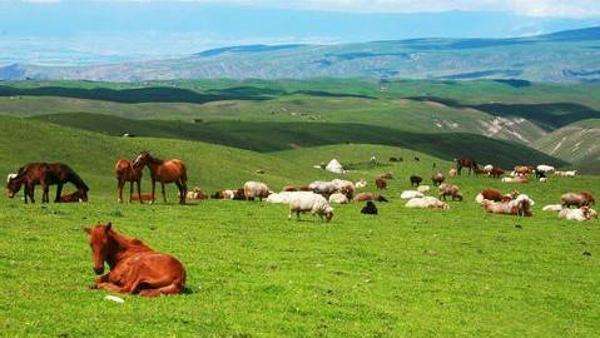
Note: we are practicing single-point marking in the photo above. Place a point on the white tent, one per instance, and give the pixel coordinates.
(335, 167)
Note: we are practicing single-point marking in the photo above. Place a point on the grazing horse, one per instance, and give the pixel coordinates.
(465, 162)
(168, 171)
(125, 171)
(134, 267)
(45, 174)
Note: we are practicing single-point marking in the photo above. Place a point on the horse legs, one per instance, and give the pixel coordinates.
(46, 193)
(26, 193)
(108, 286)
(171, 289)
(120, 184)
(153, 189)
(139, 190)
(31, 192)
(182, 191)
(162, 186)
(58, 192)
(130, 191)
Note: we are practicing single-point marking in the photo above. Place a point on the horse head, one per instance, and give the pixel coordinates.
(13, 185)
(101, 244)
(142, 159)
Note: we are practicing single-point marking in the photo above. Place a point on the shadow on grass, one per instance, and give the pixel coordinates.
(286, 135)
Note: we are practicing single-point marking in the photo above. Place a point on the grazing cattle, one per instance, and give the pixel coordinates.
(316, 204)
(423, 188)
(125, 172)
(362, 183)
(134, 267)
(569, 173)
(517, 179)
(452, 172)
(465, 162)
(495, 195)
(74, 197)
(581, 214)
(196, 194)
(345, 187)
(520, 206)
(369, 196)
(254, 190)
(229, 194)
(415, 180)
(427, 202)
(338, 198)
(496, 172)
(380, 183)
(165, 172)
(410, 194)
(450, 190)
(553, 207)
(523, 170)
(437, 179)
(289, 188)
(369, 209)
(577, 200)
(45, 174)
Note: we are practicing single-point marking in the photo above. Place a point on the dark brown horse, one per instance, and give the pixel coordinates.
(45, 174)
(134, 267)
(125, 171)
(169, 171)
(465, 162)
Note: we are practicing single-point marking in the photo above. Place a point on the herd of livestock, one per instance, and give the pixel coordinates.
(316, 197)
(136, 268)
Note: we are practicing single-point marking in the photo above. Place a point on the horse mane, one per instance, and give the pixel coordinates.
(155, 160)
(78, 181)
(127, 241)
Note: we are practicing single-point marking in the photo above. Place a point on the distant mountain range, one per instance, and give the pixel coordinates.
(567, 56)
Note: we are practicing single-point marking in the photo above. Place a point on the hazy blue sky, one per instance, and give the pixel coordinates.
(65, 31)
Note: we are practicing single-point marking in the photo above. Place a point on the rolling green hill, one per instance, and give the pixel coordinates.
(273, 136)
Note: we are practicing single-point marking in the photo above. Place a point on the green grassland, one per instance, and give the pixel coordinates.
(322, 112)
(253, 272)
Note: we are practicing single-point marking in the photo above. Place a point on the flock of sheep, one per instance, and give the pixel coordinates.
(317, 197)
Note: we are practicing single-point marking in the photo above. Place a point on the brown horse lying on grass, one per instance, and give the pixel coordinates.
(134, 267)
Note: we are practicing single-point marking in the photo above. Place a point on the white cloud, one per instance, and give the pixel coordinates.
(541, 8)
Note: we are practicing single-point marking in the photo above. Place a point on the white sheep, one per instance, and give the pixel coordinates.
(362, 183)
(553, 207)
(316, 204)
(427, 202)
(254, 190)
(580, 215)
(544, 168)
(338, 198)
(410, 194)
(280, 197)
(423, 188)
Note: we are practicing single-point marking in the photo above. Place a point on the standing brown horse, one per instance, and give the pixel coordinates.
(169, 171)
(127, 172)
(134, 267)
(45, 174)
(465, 162)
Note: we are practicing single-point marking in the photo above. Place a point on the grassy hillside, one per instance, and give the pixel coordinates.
(253, 272)
(577, 143)
(273, 136)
